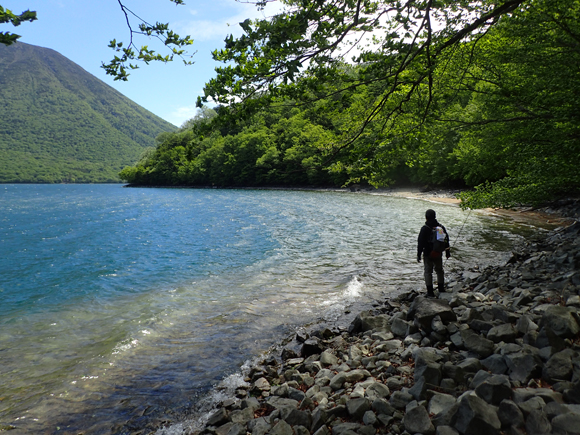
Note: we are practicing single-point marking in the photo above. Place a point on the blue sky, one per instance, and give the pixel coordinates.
(81, 31)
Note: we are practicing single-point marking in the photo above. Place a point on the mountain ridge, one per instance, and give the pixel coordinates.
(62, 124)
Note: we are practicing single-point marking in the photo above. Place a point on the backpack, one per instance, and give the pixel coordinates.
(438, 242)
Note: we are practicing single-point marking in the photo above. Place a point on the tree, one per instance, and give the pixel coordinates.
(397, 46)
(128, 53)
(7, 16)
(524, 121)
(420, 61)
(203, 116)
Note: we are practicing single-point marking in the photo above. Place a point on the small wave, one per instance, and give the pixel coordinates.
(124, 346)
(336, 305)
(205, 407)
(354, 288)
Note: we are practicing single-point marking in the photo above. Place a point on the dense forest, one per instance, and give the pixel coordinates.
(61, 124)
(497, 111)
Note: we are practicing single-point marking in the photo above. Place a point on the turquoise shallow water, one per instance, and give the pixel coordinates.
(118, 302)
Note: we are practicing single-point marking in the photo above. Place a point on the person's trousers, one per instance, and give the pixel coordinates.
(430, 264)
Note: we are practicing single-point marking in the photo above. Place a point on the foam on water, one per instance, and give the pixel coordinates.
(353, 289)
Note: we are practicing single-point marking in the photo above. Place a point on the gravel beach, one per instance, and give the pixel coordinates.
(495, 353)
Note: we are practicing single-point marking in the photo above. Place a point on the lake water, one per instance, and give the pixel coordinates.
(117, 302)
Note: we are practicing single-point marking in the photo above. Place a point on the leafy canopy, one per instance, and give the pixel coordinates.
(7, 16)
(294, 54)
(502, 117)
(477, 85)
(395, 48)
(127, 53)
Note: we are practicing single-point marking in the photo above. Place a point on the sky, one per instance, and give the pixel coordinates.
(81, 30)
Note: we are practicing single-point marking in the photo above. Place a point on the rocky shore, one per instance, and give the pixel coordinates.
(497, 353)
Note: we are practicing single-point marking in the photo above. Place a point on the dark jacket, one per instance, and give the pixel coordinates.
(423, 242)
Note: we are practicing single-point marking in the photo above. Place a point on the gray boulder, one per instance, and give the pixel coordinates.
(357, 407)
(438, 326)
(337, 381)
(479, 378)
(337, 411)
(242, 416)
(548, 338)
(525, 324)
(510, 414)
(328, 359)
(357, 375)
(310, 347)
(400, 399)
(481, 326)
(223, 429)
(261, 384)
(537, 423)
(560, 366)
(319, 419)
(419, 389)
(400, 328)
(381, 406)
(423, 311)
(440, 402)
(280, 402)
(367, 321)
(561, 321)
(532, 404)
(377, 391)
(495, 363)
(417, 420)
(523, 366)
(280, 390)
(476, 417)
(370, 418)
(470, 365)
(281, 428)
(504, 332)
(237, 429)
(219, 417)
(495, 389)
(259, 426)
(296, 394)
(476, 343)
(432, 372)
(295, 417)
(345, 428)
(566, 424)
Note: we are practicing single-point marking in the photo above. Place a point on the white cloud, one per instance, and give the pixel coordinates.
(233, 13)
(181, 114)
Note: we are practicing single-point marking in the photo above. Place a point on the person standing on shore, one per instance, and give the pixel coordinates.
(432, 242)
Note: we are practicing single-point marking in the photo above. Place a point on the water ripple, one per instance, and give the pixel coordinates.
(122, 302)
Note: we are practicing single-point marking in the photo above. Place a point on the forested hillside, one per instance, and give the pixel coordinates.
(491, 101)
(61, 124)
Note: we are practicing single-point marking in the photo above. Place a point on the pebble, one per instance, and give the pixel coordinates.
(498, 353)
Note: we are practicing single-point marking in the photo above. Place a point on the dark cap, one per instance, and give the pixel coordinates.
(430, 214)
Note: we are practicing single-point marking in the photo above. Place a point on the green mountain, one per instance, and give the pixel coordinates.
(58, 123)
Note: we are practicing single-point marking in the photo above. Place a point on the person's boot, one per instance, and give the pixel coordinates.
(430, 293)
(441, 287)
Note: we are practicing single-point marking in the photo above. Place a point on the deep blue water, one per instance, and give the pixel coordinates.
(116, 302)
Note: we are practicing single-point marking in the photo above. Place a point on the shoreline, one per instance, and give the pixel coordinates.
(440, 363)
(544, 217)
